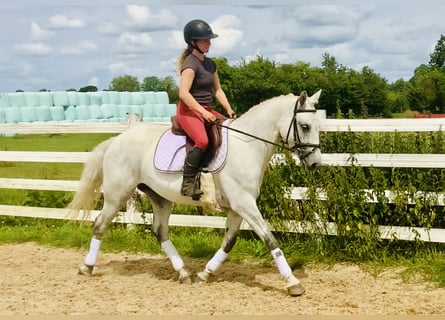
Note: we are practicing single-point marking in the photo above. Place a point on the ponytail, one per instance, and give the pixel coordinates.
(182, 57)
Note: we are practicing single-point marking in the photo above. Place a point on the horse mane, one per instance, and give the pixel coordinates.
(262, 103)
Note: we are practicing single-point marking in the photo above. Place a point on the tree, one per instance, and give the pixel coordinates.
(329, 63)
(88, 89)
(225, 73)
(125, 83)
(296, 77)
(332, 79)
(437, 58)
(398, 93)
(421, 70)
(151, 84)
(254, 82)
(374, 92)
(347, 91)
(167, 84)
(424, 93)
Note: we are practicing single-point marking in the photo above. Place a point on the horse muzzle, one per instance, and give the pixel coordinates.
(310, 157)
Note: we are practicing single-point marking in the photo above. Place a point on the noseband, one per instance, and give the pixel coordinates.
(298, 145)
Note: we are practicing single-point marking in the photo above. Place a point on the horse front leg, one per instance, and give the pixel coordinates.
(233, 223)
(161, 214)
(253, 217)
(101, 223)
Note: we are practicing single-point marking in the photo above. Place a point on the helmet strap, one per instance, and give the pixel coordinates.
(194, 46)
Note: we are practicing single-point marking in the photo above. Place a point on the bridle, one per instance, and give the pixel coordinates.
(298, 145)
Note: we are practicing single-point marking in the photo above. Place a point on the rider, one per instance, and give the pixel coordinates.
(198, 83)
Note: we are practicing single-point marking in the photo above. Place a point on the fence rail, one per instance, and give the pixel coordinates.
(69, 127)
(382, 160)
(326, 125)
(383, 125)
(336, 159)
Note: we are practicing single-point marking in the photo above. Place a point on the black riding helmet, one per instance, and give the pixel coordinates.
(197, 30)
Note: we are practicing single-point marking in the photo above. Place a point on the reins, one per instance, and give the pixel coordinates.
(253, 136)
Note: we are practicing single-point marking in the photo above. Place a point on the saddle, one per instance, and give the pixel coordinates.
(213, 133)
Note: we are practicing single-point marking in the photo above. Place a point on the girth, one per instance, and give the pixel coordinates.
(213, 133)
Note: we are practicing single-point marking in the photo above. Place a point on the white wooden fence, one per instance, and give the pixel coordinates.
(337, 159)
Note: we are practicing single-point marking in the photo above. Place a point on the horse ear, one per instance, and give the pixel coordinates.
(302, 98)
(316, 96)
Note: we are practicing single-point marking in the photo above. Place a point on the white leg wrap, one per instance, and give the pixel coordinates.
(292, 281)
(281, 263)
(170, 250)
(214, 263)
(91, 258)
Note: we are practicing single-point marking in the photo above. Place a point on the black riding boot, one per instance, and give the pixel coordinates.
(190, 184)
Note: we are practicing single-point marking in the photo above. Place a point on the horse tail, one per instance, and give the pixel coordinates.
(89, 188)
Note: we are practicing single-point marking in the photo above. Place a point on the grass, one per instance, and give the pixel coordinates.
(414, 265)
(39, 170)
(81, 142)
(406, 114)
(190, 242)
(47, 142)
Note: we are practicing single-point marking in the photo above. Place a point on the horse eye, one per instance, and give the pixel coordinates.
(305, 127)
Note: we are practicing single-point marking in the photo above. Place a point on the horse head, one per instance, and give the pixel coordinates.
(303, 134)
(133, 118)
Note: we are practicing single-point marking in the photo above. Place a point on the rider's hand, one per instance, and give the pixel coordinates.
(231, 114)
(208, 116)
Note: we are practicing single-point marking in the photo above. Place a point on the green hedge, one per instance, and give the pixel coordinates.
(345, 188)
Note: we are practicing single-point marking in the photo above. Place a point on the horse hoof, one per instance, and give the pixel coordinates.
(201, 277)
(85, 270)
(185, 280)
(296, 290)
(184, 277)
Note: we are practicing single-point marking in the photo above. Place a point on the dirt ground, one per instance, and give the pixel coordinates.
(39, 280)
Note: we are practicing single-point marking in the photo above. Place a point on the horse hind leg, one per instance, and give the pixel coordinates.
(161, 214)
(101, 224)
(233, 224)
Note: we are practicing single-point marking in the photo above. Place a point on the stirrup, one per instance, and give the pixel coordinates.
(197, 195)
(197, 192)
(192, 190)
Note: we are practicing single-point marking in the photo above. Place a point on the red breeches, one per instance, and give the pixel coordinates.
(194, 124)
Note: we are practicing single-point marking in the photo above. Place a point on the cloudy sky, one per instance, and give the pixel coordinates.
(59, 45)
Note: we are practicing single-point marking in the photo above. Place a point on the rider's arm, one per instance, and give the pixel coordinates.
(221, 97)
